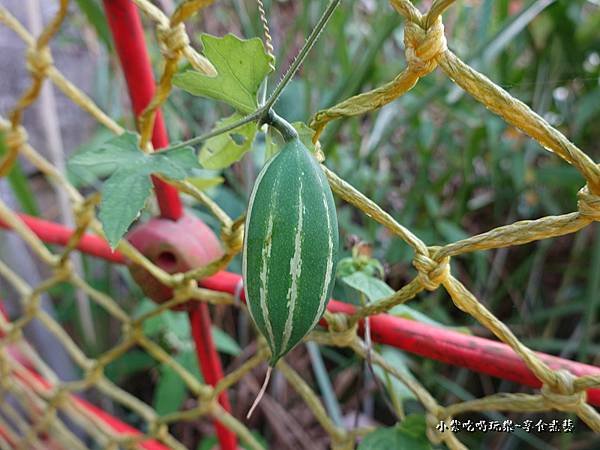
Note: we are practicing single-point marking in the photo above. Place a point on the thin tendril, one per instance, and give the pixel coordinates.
(303, 52)
(267, 33)
(260, 393)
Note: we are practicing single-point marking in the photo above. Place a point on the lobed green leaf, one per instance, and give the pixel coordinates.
(125, 192)
(241, 64)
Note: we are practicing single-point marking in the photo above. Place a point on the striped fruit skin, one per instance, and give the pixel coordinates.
(290, 248)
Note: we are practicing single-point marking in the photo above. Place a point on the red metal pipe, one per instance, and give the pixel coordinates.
(4, 435)
(41, 383)
(210, 365)
(478, 354)
(54, 233)
(475, 353)
(118, 426)
(115, 424)
(128, 36)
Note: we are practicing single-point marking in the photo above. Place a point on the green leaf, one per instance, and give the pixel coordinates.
(398, 360)
(223, 150)
(415, 425)
(376, 289)
(225, 343)
(407, 312)
(95, 15)
(20, 184)
(305, 133)
(125, 192)
(408, 435)
(167, 321)
(176, 164)
(154, 325)
(242, 65)
(123, 197)
(85, 174)
(372, 287)
(274, 141)
(177, 323)
(110, 155)
(206, 183)
(208, 443)
(170, 392)
(360, 261)
(130, 363)
(189, 361)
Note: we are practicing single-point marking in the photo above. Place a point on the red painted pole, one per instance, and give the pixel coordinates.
(478, 354)
(475, 353)
(37, 383)
(128, 35)
(54, 233)
(210, 365)
(102, 416)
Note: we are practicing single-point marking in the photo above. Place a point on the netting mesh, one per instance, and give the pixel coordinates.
(44, 405)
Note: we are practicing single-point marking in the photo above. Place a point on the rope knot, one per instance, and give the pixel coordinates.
(172, 40)
(563, 396)
(59, 398)
(15, 138)
(85, 211)
(184, 290)
(432, 273)
(93, 373)
(423, 46)
(38, 61)
(233, 236)
(588, 204)
(341, 334)
(63, 268)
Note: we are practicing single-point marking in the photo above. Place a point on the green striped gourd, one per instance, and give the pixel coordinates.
(290, 248)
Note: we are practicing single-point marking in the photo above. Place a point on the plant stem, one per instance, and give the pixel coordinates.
(283, 126)
(256, 115)
(261, 113)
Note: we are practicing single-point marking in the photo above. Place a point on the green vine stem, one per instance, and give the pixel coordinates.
(261, 113)
(288, 132)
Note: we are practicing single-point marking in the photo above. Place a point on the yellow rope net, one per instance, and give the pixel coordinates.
(426, 50)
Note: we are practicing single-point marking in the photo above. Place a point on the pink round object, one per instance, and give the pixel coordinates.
(174, 246)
